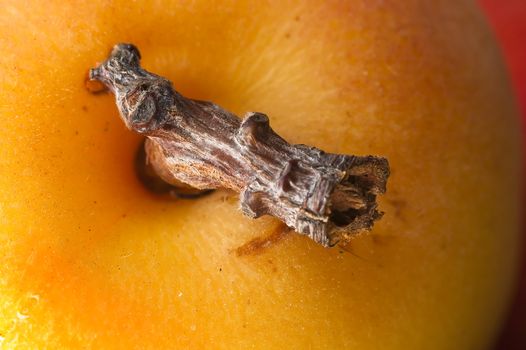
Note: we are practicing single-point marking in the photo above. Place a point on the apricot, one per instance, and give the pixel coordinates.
(90, 259)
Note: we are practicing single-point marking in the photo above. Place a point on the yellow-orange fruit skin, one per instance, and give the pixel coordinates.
(89, 259)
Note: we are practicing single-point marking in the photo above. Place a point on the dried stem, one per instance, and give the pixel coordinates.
(328, 197)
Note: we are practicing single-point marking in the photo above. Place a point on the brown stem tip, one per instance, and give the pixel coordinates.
(328, 197)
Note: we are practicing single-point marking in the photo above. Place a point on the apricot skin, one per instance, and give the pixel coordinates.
(89, 259)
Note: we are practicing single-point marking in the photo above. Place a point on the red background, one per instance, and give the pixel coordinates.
(508, 20)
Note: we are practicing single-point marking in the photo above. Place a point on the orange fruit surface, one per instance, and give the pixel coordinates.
(90, 259)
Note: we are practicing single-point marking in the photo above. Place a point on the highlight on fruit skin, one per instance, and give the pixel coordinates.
(328, 197)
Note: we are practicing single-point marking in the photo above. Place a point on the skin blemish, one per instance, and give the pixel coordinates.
(347, 247)
(383, 239)
(399, 207)
(261, 244)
